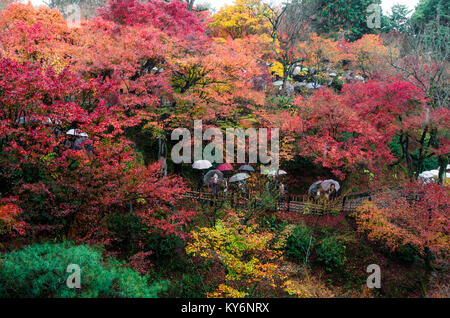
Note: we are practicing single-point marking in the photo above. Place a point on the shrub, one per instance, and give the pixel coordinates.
(190, 285)
(299, 244)
(331, 253)
(406, 254)
(40, 271)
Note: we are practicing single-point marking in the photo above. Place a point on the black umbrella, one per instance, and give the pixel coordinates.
(247, 168)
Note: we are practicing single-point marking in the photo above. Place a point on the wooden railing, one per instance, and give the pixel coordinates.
(292, 203)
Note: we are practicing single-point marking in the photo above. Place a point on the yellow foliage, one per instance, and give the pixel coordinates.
(277, 69)
(243, 250)
(241, 19)
(307, 287)
(224, 291)
(369, 54)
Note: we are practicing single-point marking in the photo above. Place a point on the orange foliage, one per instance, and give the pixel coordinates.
(36, 35)
(420, 220)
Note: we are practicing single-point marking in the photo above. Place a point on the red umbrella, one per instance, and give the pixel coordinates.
(225, 167)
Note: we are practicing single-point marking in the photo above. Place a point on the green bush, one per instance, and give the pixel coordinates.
(298, 243)
(190, 285)
(41, 271)
(408, 254)
(331, 253)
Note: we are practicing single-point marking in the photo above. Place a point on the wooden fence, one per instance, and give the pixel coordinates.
(300, 204)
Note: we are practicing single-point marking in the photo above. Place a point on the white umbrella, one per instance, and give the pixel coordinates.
(239, 177)
(202, 165)
(276, 173)
(77, 132)
(327, 184)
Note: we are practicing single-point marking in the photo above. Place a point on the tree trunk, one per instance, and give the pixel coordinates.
(162, 154)
(190, 5)
(285, 79)
(443, 163)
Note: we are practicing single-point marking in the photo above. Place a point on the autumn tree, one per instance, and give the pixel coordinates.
(243, 18)
(423, 61)
(320, 54)
(290, 23)
(172, 17)
(417, 216)
(333, 134)
(35, 35)
(353, 130)
(398, 110)
(245, 252)
(75, 191)
(369, 55)
(146, 38)
(10, 218)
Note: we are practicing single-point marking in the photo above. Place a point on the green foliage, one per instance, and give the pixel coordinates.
(429, 163)
(263, 203)
(397, 20)
(128, 229)
(40, 271)
(408, 254)
(164, 247)
(430, 10)
(190, 285)
(273, 223)
(283, 102)
(348, 15)
(299, 244)
(331, 252)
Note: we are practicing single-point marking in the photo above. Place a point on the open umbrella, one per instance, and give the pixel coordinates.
(76, 132)
(202, 165)
(327, 184)
(210, 174)
(225, 167)
(239, 177)
(247, 168)
(277, 173)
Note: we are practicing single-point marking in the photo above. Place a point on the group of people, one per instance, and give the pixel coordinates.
(327, 190)
(320, 190)
(217, 185)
